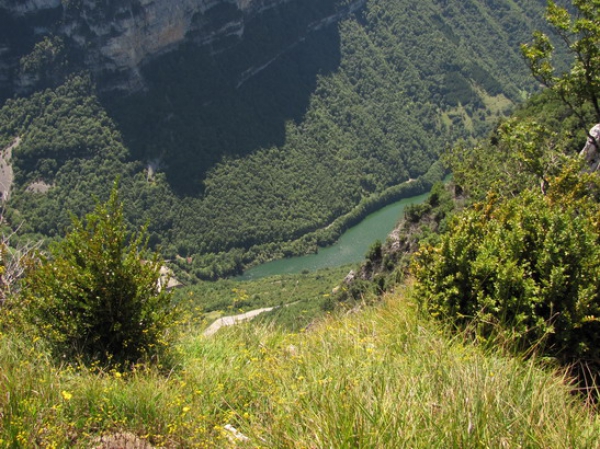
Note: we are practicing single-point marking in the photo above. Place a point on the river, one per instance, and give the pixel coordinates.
(350, 248)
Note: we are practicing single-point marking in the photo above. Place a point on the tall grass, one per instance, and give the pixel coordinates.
(381, 378)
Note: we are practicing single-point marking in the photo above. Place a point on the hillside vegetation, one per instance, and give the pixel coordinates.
(517, 259)
(381, 378)
(487, 336)
(230, 174)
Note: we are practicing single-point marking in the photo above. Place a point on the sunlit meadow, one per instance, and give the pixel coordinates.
(382, 377)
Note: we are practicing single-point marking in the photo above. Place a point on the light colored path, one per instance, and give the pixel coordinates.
(234, 319)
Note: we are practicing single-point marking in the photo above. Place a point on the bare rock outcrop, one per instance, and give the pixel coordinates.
(115, 38)
(591, 150)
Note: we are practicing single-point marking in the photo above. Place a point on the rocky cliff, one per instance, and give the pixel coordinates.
(590, 152)
(114, 38)
(22, 7)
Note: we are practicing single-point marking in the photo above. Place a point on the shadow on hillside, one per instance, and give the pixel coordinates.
(201, 108)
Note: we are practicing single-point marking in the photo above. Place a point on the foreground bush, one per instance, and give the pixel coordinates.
(529, 266)
(96, 295)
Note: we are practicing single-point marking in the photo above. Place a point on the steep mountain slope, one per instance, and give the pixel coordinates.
(243, 154)
(114, 39)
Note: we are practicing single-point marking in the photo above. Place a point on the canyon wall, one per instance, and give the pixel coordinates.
(114, 38)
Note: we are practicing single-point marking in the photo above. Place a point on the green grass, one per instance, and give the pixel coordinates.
(498, 105)
(299, 297)
(383, 377)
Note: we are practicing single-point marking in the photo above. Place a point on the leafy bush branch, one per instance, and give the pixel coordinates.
(96, 296)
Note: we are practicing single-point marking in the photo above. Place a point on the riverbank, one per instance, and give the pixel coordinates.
(350, 247)
(235, 261)
(353, 233)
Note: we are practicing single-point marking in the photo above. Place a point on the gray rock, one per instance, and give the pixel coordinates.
(591, 150)
(117, 37)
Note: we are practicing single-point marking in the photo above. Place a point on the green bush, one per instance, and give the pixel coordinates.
(374, 253)
(528, 267)
(96, 295)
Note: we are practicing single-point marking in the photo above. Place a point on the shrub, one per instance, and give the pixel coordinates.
(529, 266)
(15, 257)
(414, 212)
(96, 295)
(375, 252)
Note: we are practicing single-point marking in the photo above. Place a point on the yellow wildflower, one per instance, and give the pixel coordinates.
(66, 395)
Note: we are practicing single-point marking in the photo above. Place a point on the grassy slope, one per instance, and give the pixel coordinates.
(300, 297)
(380, 378)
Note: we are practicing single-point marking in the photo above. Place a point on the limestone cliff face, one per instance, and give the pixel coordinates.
(116, 37)
(21, 7)
(133, 31)
(590, 152)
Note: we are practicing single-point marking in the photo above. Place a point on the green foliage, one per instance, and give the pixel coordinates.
(371, 122)
(580, 32)
(374, 253)
(457, 90)
(414, 212)
(247, 168)
(386, 264)
(527, 266)
(358, 290)
(96, 295)
(223, 263)
(382, 378)
(68, 142)
(298, 298)
(59, 125)
(521, 153)
(47, 62)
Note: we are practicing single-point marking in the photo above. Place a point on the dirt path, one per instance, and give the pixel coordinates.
(234, 319)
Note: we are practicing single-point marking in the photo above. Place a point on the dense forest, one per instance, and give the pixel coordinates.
(228, 172)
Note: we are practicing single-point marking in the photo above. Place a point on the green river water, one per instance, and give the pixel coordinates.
(350, 248)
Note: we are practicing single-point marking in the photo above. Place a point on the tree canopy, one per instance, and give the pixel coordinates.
(579, 32)
(228, 174)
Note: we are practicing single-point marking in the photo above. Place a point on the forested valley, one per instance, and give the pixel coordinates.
(228, 173)
(476, 323)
